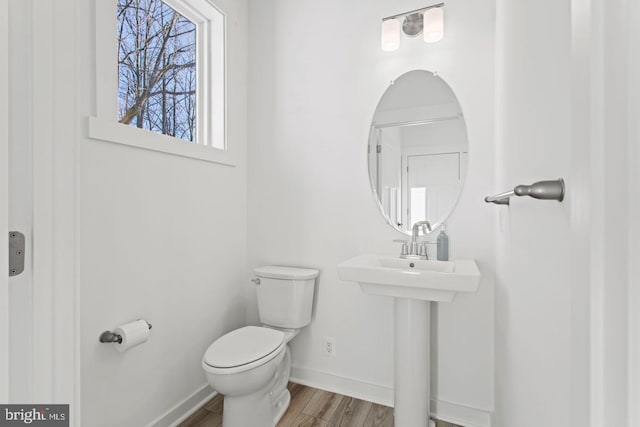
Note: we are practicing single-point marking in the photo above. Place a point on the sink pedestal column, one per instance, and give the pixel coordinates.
(412, 362)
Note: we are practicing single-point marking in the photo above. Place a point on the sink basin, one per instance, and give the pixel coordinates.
(410, 278)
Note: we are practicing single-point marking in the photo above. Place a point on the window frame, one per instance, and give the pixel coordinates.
(210, 22)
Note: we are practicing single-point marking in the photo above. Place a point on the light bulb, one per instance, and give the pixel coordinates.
(390, 39)
(433, 24)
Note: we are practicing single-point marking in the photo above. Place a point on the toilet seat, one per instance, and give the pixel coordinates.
(243, 349)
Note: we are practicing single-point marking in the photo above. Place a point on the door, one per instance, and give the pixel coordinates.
(38, 308)
(433, 186)
(390, 163)
(4, 211)
(17, 133)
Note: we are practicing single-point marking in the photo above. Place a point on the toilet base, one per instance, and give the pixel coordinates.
(280, 396)
(281, 405)
(264, 407)
(248, 410)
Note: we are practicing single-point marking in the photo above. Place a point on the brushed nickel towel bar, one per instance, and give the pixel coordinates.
(542, 190)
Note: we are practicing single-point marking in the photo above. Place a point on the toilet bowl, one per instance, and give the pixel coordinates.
(246, 366)
(250, 366)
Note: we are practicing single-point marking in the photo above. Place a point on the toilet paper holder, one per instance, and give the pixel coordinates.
(110, 337)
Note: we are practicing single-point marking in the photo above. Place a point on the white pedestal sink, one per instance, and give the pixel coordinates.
(414, 284)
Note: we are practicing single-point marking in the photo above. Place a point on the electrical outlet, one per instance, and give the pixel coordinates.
(329, 346)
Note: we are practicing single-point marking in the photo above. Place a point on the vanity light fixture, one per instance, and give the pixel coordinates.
(428, 20)
(433, 24)
(390, 34)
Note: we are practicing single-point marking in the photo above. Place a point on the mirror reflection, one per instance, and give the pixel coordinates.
(418, 151)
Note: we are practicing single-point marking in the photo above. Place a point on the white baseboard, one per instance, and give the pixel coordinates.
(383, 395)
(185, 408)
(460, 415)
(370, 392)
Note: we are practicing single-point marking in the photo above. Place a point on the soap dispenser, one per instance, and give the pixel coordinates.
(443, 245)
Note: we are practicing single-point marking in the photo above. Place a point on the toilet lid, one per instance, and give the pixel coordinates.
(243, 346)
(285, 273)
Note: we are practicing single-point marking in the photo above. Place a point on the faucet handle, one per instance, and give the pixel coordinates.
(423, 249)
(405, 246)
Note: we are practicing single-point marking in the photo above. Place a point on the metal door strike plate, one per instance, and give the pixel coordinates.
(16, 253)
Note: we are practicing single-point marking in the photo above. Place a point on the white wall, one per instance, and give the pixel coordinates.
(634, 214)
(537, 358)
(613, 138)
(316, 76)
(567, 288)
(161, 237)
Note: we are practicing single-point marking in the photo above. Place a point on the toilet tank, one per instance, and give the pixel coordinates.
(285, 295)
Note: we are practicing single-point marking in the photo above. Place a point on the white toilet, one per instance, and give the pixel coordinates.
(250, 366)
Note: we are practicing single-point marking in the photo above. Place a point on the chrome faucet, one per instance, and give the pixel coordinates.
(415, 233)
(411, 250)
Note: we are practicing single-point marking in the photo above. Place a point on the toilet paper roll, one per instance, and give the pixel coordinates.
(133, 334)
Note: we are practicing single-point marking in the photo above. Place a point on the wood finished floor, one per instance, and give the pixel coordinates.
(311, 407)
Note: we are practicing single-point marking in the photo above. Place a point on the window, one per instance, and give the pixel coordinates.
(161, 85)
(156, 68)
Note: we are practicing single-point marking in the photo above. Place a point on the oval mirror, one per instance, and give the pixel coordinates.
(418, 151)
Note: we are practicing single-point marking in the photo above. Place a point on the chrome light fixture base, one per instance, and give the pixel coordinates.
(413, 24)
